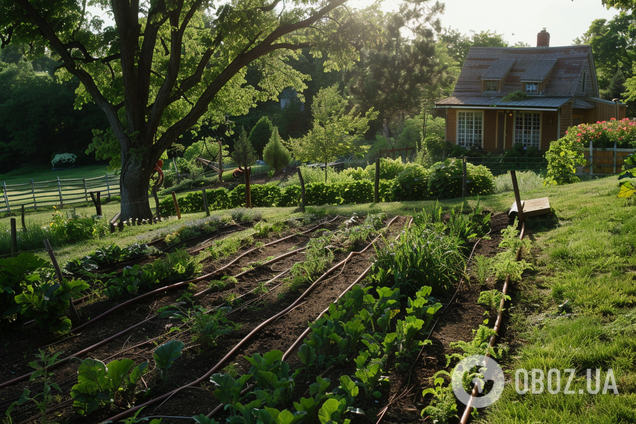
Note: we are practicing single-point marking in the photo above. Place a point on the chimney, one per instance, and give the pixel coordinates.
(543, 38)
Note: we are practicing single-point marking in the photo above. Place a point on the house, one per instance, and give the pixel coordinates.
(549, 89)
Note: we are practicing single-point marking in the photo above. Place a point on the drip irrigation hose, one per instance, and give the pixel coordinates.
(240, 344)
(466, 415)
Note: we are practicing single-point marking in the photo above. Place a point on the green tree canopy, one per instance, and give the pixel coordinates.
(457, 44)
(260, 134)
(335, 126)
(275, 154)
(165, 67)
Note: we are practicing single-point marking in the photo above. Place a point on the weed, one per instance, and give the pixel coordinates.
(41, 400)
(242, 215)
(482, 268)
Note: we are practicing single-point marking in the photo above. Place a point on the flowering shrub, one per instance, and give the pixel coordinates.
(63, 159)
(605, 133)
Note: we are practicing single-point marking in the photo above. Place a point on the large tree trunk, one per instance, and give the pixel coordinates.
(135, 182)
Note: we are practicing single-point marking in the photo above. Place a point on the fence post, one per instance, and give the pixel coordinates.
(176, 205)
(205, 203)
(614, 156)
(85, 193)
(107, 187)
(591, 159)
(464, 177)
(376, 187)
(14, 237)
(35, 205)
(302, 190)
(23, 222)
(6, 196)
(59, 188)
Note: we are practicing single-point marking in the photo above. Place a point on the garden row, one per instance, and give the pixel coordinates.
(406, 182)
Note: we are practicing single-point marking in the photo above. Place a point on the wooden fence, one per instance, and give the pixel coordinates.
(57, 192)
(604, 161)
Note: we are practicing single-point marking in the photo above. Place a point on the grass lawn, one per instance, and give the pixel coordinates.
(37, 173)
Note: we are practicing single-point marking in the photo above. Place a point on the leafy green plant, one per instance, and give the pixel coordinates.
(98, 383)
(165, 355)
(242, 215)
(443, 406)
(207, 328)
(132, 280)
(176, 266)
(42, 400)
(563, 156)
(14, 275)
(47, 301)
(491, 299)
(332, 412)
(482, 268)
(478, 346)
(369, 372)
(446, 178)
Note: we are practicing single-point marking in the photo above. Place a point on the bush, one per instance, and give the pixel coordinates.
(275, 154)
(446, 178)
(389, 169)
(265, 195)
(563, 157)
(355, 192)
(411, 184)
(356, 174)
(604, 134)
(321, 194)
(290, 196)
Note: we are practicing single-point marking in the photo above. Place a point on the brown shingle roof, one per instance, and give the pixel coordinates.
(498, 69)
(569, 63)
(538, 70)
(498, 103)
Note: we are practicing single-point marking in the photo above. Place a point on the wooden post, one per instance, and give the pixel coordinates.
(515, 187)
(60, 277)
(302, 191)
(615, 156)
(23, 222)
(107, 187)
(591, 159)
(85, 192)
(248, 194)
(176, 205)
(59, 188)
(14, 237)
(464, 177)
(220, 161)
(205, 203)
(112, 222)
(376, 188)
(6, 196)
(35, 206)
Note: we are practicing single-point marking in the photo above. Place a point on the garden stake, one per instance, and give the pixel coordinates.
(176, 205)
(60, 277)
(376, 188)
(205, 203)
(302, 191)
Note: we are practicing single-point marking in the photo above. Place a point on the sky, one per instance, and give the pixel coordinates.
(520, 20)
(515, 20)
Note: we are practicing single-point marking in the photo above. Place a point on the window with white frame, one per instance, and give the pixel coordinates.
(470, 128)
(532, 87)
(528, 129)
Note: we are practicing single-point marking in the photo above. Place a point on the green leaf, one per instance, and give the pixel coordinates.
(116, 373)
(166, 354)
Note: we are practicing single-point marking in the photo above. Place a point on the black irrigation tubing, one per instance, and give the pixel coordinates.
(240, 344)
(399, 395)
(258, 248)
(466, 415)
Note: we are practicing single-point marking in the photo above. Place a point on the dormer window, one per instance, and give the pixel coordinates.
(490, 85)
(531, 87)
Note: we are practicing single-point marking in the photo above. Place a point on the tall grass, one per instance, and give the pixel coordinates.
(527, 180)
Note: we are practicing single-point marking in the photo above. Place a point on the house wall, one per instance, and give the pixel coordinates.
(490, 130)
(566, 118)
(549, 131)
(451, 126)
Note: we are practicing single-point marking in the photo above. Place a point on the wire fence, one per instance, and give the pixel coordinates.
(57, 192)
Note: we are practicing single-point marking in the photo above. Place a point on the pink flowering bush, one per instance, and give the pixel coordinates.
(605, 133)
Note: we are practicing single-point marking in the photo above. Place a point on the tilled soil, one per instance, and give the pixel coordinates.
(457, 323)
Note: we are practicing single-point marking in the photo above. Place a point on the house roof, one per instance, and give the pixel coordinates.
(498, 69)
(561, 68)
(498, 103)
(538, 70)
